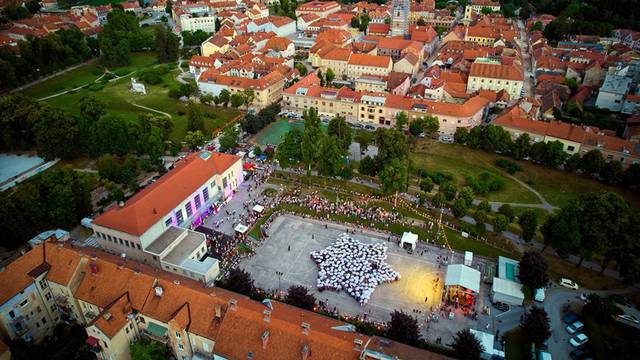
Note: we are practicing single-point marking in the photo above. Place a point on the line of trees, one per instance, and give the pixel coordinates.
(551, 153)
(41, 56)
(122, 35)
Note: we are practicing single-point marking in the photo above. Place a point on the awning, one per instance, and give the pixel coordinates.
(241, 228)
(247, 166)
(156, 330)
(459, 274)
(258, 208)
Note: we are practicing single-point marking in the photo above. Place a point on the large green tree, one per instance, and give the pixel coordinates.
(535, 326)
(466, 346)
(339, 128)
(403, 328)
(393, 178)
(332, 155)
(311, 138)
(533, 270)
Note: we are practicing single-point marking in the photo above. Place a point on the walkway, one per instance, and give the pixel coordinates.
(154, 110)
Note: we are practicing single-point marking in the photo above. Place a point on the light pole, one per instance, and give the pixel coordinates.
(279, 274)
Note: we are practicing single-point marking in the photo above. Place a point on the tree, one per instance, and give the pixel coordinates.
(368, 166)
(449, 190)
(249, 96)
(521, 146)
(507, 210)
(117, 38)
(500, 223)
(229, 138)
(592, 162)
(364, 138)
(299, 296)
(239, 281)
(167, 45)
(195, 139)
(393, 178)
(392, 144)
(237, 100)
(56, 135)
(484, 206)
(329, 76)
(290, 150)
(537, 26)
(109, 168)
(602, 309)
(438, 200)
(535, 326)
(301, 69)
(421, 22)
(466, 346)
(206, 99)
(431, 124)
(148, 350)
(533, 270)
(355, 22)
(611, 172)
(224, 97)
(195, 118)
(631, 176)
(426, 184)
(311, 138)
(461, 135)
(321, 77)
(332, 155)
(403, 328)
(401, 120)
(466, 194)
(416, 126)
(528, 220)
(339, 128)
(459, 207)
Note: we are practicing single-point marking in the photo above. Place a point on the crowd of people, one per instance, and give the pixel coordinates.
(354, 267)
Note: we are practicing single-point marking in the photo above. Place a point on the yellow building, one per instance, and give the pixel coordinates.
(476, 6)
(267, 89)
(214, 44)
(364, 64)
(490, 74)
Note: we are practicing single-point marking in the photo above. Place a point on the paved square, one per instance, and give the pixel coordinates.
(292, 239)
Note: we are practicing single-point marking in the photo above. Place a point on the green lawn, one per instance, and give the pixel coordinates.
(120, 101)
(609, 335)
(558, 187)
(461, 162)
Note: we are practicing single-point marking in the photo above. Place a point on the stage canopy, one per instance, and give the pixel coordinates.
(409, 238)
(258, 208)
(241, 228)
(462, 275)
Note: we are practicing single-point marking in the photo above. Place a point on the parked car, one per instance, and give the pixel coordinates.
(447, 139)
(569, 284)
(628, 317)
(577, 354)
(578, 340)
(621, 300)
(370, 127)
(574, 327)
(570, 318)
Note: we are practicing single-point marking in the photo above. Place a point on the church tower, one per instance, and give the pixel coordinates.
(400, 17)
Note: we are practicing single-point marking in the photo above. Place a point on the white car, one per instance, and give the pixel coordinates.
(568, 284)
(574, 327)
(629, 318)
(578, 340)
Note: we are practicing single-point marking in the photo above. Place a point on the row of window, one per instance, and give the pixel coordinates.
(117, 240)
(188, 208)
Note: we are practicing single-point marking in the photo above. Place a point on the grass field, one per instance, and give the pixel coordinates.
(558, 187)
(120, 101)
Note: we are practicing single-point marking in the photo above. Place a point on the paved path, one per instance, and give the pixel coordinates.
(154, 110)
(545, 203)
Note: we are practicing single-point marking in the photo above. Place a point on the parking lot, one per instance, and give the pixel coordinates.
(287, 249)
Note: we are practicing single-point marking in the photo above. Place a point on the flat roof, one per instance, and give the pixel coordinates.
(508, 268)
(164, 240)
(186, 247)
(459, 274)
(507, 287)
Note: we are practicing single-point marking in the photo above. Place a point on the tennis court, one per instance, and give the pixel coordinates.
(275, 132)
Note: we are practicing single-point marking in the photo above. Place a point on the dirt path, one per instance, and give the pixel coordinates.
(154, 110)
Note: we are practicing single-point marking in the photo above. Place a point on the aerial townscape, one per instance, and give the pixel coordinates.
(319, 180)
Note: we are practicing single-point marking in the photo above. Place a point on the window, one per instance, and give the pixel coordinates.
(177, 335)
(167, 222)
(188, 209)
(44, 321)
(205, 194)
(24, 303)
(179, 217)
(53, 308)
(121, 243)
(570, 148)
(180, 346)
(138, 246)
(43, 283)
(205, 346)
(48, 296)
(12, 314)
(224, 183)
(197, 202)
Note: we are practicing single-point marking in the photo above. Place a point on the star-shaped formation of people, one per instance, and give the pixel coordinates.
(354, 267)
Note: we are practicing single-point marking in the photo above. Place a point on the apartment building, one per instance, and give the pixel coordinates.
(488, 74)
(380, 108)
(192, 16)
(124, 302)
(474, 7)
(321, 9)
(152, 226)
(365, 64)
(267, 89)
(576, 139)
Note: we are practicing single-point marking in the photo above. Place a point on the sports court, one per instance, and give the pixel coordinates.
(275, 132)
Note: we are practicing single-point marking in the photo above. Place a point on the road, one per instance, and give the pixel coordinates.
(529, 79)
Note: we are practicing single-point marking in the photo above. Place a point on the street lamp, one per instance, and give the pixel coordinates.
(279, 274)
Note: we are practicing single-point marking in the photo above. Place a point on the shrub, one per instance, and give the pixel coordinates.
(438, 177)
(508, 165)
(97, 71)
(486, 182)
(121, 72)
(210, 115)
(150, 77)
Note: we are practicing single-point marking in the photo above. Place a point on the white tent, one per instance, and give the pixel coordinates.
(507, 291)
(487, 341)
(468, 258)
(258, 208)
(409, 238)
(241, 228)
(462, 275)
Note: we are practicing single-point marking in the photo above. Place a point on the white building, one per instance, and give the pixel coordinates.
(152, 226)
(194, 16)
(614, 89)
(281, 25)
(506, 287)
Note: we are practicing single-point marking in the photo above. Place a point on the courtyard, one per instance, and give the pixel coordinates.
(283, 260)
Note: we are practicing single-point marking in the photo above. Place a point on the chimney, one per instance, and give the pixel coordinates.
(305, 328)
(233, 304)
(306, 352)
(94, 268)
(158, 290)
(121, 204)
(218, 311)
(265, 338)
(267, 315)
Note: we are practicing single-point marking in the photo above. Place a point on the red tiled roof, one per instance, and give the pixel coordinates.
(149, 205)
(496, 71)
(370, 60)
